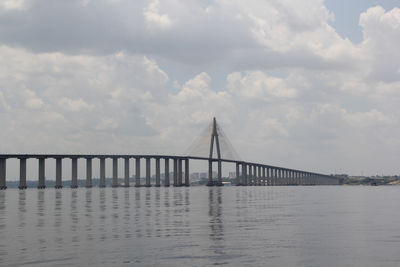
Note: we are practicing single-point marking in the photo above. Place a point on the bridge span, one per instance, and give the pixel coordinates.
(247, 173)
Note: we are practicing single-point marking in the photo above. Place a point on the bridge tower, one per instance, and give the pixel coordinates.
(214, 136)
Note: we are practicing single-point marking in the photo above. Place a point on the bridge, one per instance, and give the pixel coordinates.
(247, 173)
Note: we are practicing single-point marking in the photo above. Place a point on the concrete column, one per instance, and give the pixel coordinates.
(58, 173)
(148, 183)
(264, 178)
(291, 177)
(74, 178)
(115, 173)
(22, 173)
(187, 181)
(3, 172)
(250, 176)
(237, 174)
(255, 175)
(102, 172)
(278, 177)
(286, 177)
(179, 172)
(272, 176)
(166, 172)
(88, 172)
(42, 183)
(175, 172)
(137, 170)
(268, 176)
(219, 182)
(244, 174)
(260, 177)
(158, 183)
(126, 174)
(210, 178)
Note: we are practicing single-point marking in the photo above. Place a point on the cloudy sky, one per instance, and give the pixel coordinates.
(310, 84)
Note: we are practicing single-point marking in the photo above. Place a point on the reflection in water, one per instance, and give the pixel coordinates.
(3, 246)
(102, 214)
(157, 213)
(40, 220)
(127, 214)
(58, 219)
(74, 217)
(138, 231)
(167, 214)
(199, 226)
(148, 212)
(115, 215)
(217, 244)
(89, 216)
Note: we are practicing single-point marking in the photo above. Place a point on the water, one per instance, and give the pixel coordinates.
(200, 226)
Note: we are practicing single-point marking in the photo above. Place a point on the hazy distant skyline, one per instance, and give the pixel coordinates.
(311, 85)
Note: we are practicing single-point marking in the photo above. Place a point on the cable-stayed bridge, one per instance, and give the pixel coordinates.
(212, 145)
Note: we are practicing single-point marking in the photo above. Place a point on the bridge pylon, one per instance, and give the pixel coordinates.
(214, 136)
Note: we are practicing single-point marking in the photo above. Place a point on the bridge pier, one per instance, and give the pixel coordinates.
(3, 165)
(187, 181)
(88, 173)
(115, 172)
(180, 172)
(175, 163)
(158, 183)
(126, 173)
(166, 172)
(219, 180)
(22, 173)
(137, 170)
(58, 173)
(210, 178)
(148, 183)
(244, 174)
(270, 176)
(42, 183)
(285, 177)
(237, 174)
(256, 177)
(250, 176)
(264, 178)
(74, 178)
(102, 182)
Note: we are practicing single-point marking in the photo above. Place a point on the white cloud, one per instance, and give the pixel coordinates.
(12, 4)
(75, 105)
(258, 85)
(154, 18)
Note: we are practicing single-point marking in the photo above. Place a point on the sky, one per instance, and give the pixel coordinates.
(311, 85)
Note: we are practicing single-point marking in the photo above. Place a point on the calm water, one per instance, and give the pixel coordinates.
(200, 226)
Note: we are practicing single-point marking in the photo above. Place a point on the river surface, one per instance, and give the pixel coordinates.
(200, 226)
